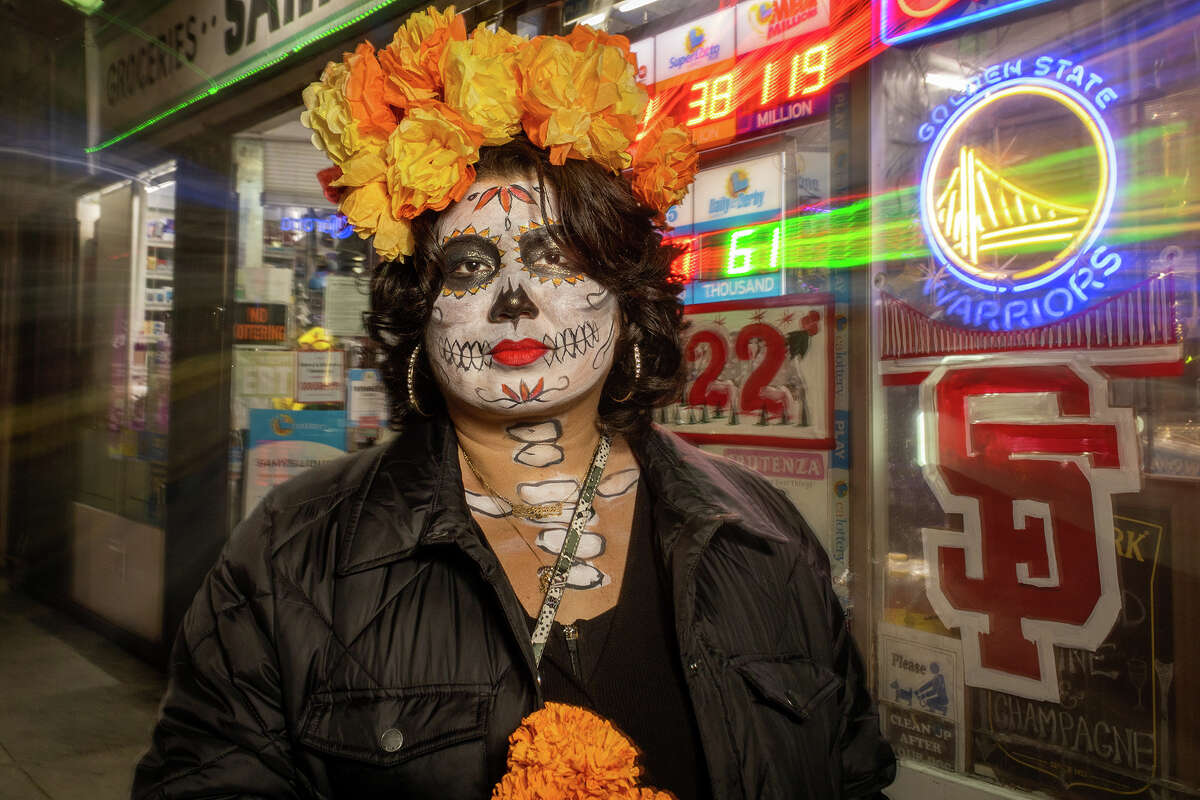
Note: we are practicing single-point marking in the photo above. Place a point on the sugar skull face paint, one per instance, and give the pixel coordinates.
(518, 328)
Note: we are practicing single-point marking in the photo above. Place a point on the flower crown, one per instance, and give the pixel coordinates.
(404, 124)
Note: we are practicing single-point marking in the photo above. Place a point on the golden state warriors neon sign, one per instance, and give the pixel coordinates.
(1020, 232)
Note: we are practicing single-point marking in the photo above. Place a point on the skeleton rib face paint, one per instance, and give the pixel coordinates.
(518, 328)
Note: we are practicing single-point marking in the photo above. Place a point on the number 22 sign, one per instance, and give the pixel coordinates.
(758, 371)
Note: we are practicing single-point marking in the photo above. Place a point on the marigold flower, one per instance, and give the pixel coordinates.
(412, 61)
(368, 209)
(430, 156)
(365, 92)
(481, 82)
(562, 752)
(665, 162)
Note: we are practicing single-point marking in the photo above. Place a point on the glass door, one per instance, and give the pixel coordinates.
(127, 268)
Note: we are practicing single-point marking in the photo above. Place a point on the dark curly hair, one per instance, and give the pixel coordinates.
(608, 231)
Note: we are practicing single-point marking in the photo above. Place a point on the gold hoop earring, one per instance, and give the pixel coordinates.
(637, 373)
(413, 403)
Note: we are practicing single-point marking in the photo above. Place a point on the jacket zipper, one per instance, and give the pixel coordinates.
(571, 634)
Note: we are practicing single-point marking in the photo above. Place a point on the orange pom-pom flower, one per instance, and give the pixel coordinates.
(563, 752)
(664, 164)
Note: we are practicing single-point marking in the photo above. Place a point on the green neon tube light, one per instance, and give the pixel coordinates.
(288, 49)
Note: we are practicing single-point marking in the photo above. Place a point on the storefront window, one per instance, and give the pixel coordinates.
(304, 387)
(1035, 399)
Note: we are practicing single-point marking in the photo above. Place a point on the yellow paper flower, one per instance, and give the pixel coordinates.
(368, 209)
(665, 163)
(412, 61)
(580, 103)
(430, 157)
(481, 83)
(328, 114)
(367, 166)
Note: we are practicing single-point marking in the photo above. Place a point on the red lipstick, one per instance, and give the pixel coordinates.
(518, 354)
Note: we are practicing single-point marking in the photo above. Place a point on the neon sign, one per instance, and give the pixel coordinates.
(907, 20)
(335, 225)
(1021, 241)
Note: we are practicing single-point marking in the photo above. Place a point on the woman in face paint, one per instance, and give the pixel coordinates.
(546, 316)
(534, 289)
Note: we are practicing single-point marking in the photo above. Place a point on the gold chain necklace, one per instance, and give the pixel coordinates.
(533, 512)
(544, 569)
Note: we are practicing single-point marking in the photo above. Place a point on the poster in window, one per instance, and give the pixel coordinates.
(284, 444)
(758, 372)
(259, 376)
(921, 695)
(1110, 734)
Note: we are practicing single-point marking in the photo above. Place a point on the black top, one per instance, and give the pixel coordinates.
(626, 668)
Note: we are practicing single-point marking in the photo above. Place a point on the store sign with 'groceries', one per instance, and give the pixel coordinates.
(196, 47)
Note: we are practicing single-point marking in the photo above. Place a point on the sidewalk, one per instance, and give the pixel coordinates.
(75, 710)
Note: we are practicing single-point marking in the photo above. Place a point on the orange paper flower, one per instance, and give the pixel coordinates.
(430, 156)
(584, 37)
(365, 91)
(412, 61)
(562, 752)
(665, 163)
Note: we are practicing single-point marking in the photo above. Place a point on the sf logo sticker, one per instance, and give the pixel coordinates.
(1030, 455)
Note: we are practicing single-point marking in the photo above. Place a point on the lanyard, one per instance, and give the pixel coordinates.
(566, 557)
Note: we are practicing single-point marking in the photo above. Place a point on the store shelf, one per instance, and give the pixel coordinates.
(158, 306)
(161, 243)
(160, 276)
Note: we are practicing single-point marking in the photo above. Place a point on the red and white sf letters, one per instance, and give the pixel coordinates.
(1030, 454)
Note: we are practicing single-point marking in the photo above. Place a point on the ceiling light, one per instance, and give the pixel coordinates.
(88, 7)
(629, 5)
(946, 80)
(594, 20)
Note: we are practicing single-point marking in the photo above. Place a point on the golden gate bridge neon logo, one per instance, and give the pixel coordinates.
(1020, 232)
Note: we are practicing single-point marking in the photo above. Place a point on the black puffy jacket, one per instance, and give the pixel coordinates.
(361, 599)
